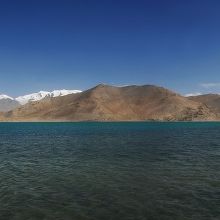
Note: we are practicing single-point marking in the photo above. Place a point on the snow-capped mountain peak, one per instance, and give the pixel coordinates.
(63, 92)
(3, 96)
(8, 103)
(31, 97)
(42, 94)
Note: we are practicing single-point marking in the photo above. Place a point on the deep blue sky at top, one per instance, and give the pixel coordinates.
(46, 45)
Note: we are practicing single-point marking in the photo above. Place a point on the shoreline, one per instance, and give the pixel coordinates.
(62, 121)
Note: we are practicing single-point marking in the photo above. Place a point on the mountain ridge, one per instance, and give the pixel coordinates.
(8, 103)
(111, 103)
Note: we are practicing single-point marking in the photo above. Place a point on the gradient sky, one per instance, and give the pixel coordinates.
(46, 45)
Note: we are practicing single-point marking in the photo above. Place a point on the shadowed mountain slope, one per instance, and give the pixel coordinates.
(109, 103)
(7, 104)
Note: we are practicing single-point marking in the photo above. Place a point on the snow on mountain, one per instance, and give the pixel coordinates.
(32, 97)
(42, 94)
(63, 92)
(3, 96)
(193, 94)
(8, 103)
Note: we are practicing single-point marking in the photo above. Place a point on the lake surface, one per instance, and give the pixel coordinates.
(103, 171)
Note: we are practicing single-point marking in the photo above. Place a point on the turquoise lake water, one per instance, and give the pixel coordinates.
(103, 171)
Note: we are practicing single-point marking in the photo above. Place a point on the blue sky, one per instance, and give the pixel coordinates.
(46, 45)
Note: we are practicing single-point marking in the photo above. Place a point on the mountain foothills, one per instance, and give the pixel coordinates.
(110, 103)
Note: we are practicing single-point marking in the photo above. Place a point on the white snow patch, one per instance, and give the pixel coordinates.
(193, 94)
(42, 94)
(3, 96)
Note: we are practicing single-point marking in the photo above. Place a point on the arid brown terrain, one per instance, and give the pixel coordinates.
(212, 101)
(109, 103)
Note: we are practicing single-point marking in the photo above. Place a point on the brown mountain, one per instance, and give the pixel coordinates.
(109, 103)
(212, 101)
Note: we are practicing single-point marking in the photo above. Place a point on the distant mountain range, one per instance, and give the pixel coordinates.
(110, 103)
(8, 103)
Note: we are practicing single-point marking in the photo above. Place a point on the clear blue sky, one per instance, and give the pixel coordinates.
(46, 45)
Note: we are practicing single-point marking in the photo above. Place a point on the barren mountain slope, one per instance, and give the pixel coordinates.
(109, 103)
(212, 101)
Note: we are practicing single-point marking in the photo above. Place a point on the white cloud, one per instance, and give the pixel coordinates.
(193, 94)
(210, 85)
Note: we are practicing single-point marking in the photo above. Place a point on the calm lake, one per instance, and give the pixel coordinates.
(103, 171)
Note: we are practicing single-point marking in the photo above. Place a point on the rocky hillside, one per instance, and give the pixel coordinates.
(212, 101)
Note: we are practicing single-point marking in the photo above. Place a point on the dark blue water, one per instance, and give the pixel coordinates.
(103, 171)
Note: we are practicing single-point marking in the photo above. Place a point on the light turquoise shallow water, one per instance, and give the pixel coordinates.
(103, 171)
